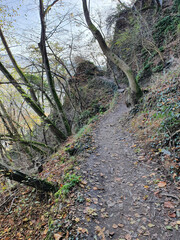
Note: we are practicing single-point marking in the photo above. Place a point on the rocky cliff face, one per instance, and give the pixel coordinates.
(91, 91)
(144, 35)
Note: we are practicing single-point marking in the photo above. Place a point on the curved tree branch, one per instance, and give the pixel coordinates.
(135, 91)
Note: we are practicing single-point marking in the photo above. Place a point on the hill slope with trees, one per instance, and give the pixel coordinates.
(76, 163)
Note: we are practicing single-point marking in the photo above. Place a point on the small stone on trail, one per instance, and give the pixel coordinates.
(120, 205)
(110, 203)
(120, 225)
(111, 234)
(115, 226)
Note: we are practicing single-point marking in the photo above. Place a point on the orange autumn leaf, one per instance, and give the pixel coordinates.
(162, 184)
(18, 234)
(45, 231)
(58, 236)
(100, 232)
(115, 226)
(168, 204)
(83, 230)
(128, 237)
(172, 215)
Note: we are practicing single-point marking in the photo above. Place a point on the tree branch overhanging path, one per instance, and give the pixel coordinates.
(135, 92)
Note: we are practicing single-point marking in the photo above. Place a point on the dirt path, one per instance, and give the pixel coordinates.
(122, 197)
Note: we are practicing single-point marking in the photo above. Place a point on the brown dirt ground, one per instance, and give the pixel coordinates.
(125, 197)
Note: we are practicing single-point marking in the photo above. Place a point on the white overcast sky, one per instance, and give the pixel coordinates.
(28, 11)
(27, 21)
(27, 27)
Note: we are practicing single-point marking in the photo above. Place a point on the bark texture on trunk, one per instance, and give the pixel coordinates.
(19, 71)
(20, 177)
(135, 90)
(42, 46)
(59, 135)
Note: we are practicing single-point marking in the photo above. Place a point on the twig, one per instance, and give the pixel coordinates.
(170, 195)
(12, 203)
(172, 135)
(8, 199)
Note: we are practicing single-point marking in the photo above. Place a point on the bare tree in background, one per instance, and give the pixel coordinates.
(134, 90)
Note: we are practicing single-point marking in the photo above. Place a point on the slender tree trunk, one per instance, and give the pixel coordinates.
(123, 5)
(20, 177)
(6, 124)
(59, 135)
(19, 71)
(135, 90)
(42, 46)
(10, 121)
(134, 87)
(10, 127)
(158, 4)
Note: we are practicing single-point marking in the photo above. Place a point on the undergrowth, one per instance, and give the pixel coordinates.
(157, 122)
(70, 181)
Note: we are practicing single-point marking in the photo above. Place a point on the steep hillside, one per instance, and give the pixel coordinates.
(118, 175)
(147, 38)
(156, 121)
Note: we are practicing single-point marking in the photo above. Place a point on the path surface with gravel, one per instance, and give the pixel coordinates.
(121, 192)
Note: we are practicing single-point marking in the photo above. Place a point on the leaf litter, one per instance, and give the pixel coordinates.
(129, 205)
(116, 199)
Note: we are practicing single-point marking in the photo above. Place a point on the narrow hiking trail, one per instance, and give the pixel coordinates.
(122, 197)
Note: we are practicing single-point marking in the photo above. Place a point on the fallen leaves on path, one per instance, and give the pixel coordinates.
(128, 237)
(162, 184)
(168, 205)
(83, 230)
(115, 226)
(58, 236)
(100, 232)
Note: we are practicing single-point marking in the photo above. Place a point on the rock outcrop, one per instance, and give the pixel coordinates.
(141, 36)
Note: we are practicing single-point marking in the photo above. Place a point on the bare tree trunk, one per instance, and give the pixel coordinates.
(135, 90)
(10, 121)
(22, 76)
(20, 177)
(59, 135)
(123, 5)
(158, 3)
(42, 46)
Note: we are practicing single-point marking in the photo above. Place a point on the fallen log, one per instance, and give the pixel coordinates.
(23, 178)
